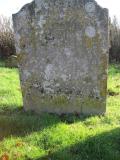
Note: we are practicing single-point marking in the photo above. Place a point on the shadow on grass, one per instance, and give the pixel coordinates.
(114, 69)
(105, 146)
(2, 63)
(14, 121)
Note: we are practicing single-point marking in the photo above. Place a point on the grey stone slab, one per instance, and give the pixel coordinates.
(62, 48)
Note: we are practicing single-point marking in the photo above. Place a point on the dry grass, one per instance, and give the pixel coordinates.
(7, 44)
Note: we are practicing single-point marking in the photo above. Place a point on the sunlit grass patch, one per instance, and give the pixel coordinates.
(10, 92)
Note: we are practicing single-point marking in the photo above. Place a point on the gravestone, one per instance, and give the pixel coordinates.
(62, 48)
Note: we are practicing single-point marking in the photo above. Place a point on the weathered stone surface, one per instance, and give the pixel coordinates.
(62, 47)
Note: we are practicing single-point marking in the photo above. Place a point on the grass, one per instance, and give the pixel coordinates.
(26, 136)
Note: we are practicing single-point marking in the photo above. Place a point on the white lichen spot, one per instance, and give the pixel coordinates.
(67, 52)
(79, 36)
(42, 21)
(47, 87)
(26, 74)
(90, 31)
(41, 4)
(77, 60)
(41, 32)
(32, 61)
(17, 43)
(57, 85)
(17, 36)
(49, 90)
(90, 7)
(49, 72)
(46, 84)
(62, 15)
(64, 77)
(35, 85)
(96, 92)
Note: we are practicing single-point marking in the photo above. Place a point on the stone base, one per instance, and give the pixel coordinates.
(61, 105)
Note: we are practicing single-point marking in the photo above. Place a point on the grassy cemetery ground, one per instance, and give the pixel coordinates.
(26, 136)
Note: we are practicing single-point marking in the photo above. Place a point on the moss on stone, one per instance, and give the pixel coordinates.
(88, 42)
(103, 88)
(59, 100)
(20, 57)
(91, 102)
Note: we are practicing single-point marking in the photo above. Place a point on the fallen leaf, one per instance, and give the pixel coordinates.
(19, 144)
(4, 157)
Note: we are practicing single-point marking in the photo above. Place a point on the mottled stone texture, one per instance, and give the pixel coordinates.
(62, 48)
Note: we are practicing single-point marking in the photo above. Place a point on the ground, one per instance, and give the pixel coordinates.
(26, 136)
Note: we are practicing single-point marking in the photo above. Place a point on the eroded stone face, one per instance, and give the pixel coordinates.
(62, 49)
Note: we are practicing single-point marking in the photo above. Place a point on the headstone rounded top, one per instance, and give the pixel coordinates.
(90, 7)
